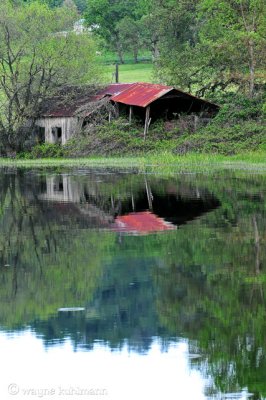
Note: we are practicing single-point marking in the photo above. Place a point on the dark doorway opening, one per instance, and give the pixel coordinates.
(40, 135)
(57, 134)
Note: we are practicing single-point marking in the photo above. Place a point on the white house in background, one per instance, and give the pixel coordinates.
(80, 27)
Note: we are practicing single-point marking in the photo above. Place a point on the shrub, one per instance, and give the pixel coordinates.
(45, 150)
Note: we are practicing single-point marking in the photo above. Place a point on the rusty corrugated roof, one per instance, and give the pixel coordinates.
(141, 94)
(115, 89)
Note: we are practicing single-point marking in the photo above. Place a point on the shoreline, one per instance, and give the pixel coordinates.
(163, 162)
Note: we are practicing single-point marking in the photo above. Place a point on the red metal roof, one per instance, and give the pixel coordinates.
(141, 223)
(141, 94)
(115, 88)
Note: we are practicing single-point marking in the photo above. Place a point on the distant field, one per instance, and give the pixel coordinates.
(141, 72)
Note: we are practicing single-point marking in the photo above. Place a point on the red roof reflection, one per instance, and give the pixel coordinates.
(141, 223)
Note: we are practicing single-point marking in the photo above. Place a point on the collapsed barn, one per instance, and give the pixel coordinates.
(66, 114)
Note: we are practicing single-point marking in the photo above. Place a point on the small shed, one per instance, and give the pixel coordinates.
(161, 98)
(66, 113)
(153, 101)
(60, 119)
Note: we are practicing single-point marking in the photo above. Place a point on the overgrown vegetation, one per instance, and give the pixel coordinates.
(238, 127)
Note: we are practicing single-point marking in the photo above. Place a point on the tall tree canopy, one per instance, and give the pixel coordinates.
(105, 15)
(207, 45)
(80, 4)
(37, 56)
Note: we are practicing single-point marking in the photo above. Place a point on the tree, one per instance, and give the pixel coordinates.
(70, 4)
(35, 60)
(207, 46)
(236, 32)
(50, 3)
(105, 15)
(130, 36)
(150, 33)
(80, 4)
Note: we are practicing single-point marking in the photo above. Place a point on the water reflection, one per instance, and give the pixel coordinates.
(64, 244)
(144, 208)
(118, 375)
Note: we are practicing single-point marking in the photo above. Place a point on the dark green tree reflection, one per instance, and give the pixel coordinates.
(214, 294)
(61, 246)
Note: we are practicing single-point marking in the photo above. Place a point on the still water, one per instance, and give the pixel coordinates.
(117, 285)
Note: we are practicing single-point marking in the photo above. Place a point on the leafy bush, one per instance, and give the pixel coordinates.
(45, 150)
(236, 108)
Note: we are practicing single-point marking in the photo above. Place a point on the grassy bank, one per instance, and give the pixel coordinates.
(165, 163)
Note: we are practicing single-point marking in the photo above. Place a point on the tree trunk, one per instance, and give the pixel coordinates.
(135, 53)
(154, 49)
(119, 52)
(252, 64)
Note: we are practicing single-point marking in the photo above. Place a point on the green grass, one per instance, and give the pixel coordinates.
(164, 162)
(141, 72)
(109, 57)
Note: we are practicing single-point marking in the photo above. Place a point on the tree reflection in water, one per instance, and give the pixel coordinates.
(204, 280)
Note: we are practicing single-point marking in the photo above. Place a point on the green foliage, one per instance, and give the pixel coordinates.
(36, 59)
(46, 150)
(118, 23)
(129, 35)
(224, 140)
(119, 138)
(208, 46)
(239, 126)
(80, 4)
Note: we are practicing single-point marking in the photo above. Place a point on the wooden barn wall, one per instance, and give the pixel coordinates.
(69, 126)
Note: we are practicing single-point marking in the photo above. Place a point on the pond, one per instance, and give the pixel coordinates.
(124, 285)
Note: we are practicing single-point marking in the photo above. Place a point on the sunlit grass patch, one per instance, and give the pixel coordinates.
(141, 72)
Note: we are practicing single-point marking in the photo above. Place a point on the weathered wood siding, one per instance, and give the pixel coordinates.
(69, 126)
